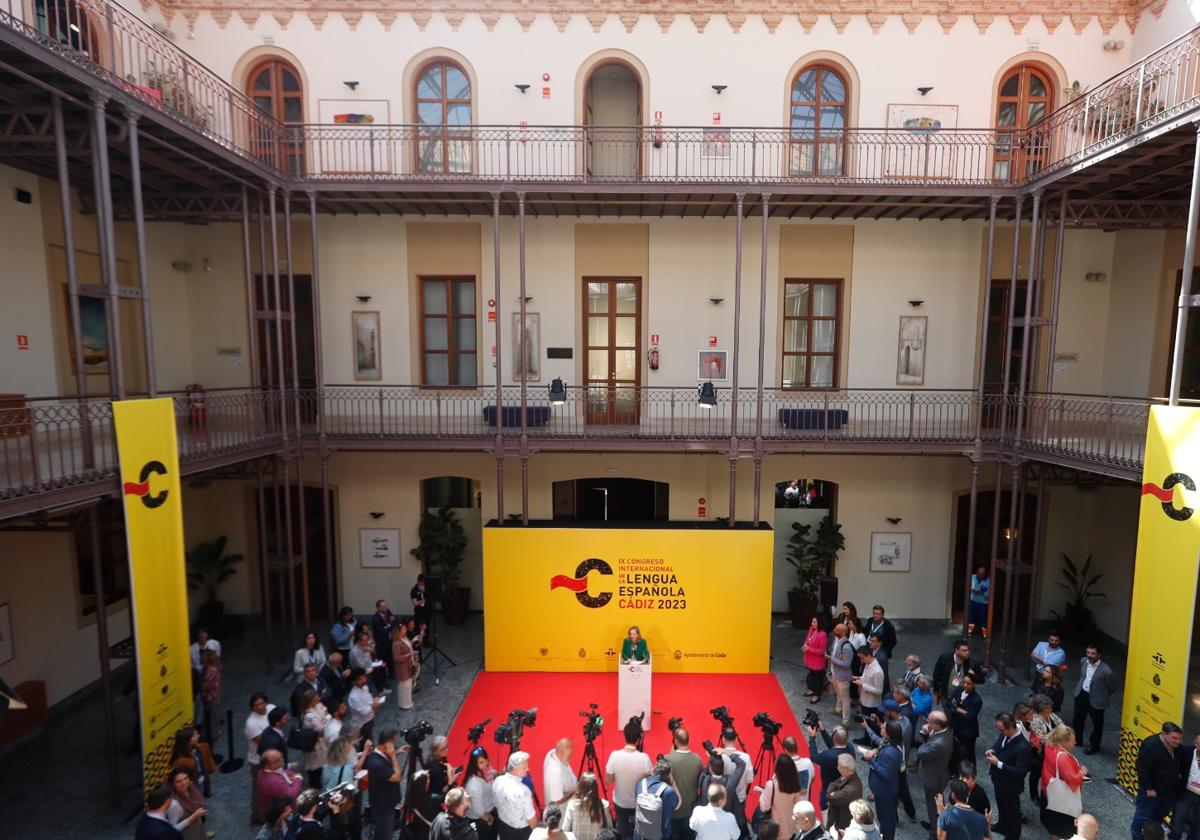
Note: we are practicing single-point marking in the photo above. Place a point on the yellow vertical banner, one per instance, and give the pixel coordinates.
(1164, 582)
(157, 574)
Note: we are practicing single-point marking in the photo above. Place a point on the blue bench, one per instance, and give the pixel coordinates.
(510, 415)
(813, 418)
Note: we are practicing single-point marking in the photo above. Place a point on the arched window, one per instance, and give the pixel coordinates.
(1025, 97)
(275, 87)
(818, 121)
(443, 116)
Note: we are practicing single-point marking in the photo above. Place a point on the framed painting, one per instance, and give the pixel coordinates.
(364, 328)
(531, 338)
(358, 140)
(920, 142)
(379, 548)
(891, 551)
(712, 365)
(93, 321)
(910, 350)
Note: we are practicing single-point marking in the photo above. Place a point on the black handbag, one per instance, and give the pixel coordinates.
(304, 740)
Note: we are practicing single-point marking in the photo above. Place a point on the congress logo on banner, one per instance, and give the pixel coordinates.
(1166, 495)
(579, 583)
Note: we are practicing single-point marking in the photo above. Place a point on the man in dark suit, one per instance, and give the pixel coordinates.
(154, 825)
(963, 708)
(309, 682)
(1097, 684)
(333, 675)
(950, 669)
(274, 737)
(827, 759)
(1158, 770)
(884, 779)
(382, 622)
(884, 628)
(1010, 758)
(933, 765)
(383, 783)
(1187, 806)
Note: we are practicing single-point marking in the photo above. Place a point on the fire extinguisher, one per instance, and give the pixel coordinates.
(652, 358)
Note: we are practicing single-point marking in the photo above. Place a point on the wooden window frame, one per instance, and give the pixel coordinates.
(838, 283)
(1018, 159)
(444, 135)
(817, 104)
(274, 65)
(451, 352)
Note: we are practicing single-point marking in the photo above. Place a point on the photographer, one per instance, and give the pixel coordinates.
(884, 778)
(626, 767)
(718, 773)
(686, 768)
(309, 826)
(737, 793)
(827, 759)
(870, 686)
(892, 714)
(439, 767)
(452, 823)
(661, 786)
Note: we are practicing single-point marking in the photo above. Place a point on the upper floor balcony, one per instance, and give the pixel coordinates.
(135, 64)
(57, 450)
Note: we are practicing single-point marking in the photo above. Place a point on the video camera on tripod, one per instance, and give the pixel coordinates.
(594, 724)
(415, 734)
(769, 728)
(510, 732)
(673, 724)
(476, 731)
(721, 713)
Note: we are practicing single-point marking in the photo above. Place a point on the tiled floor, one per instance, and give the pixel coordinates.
(55, 787)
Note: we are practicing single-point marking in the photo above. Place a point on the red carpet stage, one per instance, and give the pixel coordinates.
(560, 698)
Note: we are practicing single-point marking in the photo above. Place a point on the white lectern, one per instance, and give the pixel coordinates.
(633, 693)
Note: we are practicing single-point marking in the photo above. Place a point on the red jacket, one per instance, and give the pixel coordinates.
(1068, 767)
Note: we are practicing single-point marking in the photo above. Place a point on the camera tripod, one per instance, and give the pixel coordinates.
(764, 761)
(434, 652)
(721, 735)
(590, 763)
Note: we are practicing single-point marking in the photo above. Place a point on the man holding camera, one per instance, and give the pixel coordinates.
(737, 795)
(452, 823)
(870, 688)
(827, 759)
(685, 769)
(892, 713)
(626, 767)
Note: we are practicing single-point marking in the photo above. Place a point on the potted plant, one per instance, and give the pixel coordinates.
(812, 557)
(1077, 622)
(208, 566)
(441, 542)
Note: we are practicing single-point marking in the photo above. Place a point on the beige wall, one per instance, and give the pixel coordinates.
(29, 307)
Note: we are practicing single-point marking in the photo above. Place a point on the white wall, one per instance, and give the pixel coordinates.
(1154, 30)
(27, 296)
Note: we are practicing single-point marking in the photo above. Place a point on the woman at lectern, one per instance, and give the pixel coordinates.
(634, 648)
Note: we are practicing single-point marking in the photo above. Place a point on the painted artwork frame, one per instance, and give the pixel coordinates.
(379, 548)
(532, 336)
(911, 350)
(716, 144)
(366, 346)
(891, 552)
(913, 147)
(8, 651)
(364, 124)
(712, 365)
(93, 318)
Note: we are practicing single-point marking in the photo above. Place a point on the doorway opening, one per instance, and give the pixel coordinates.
(612, 114)
(313, 529)
(803, 501)
(611, 499)
(983, 547)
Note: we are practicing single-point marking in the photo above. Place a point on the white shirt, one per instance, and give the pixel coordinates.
(1193, 780)
(1087, 674)
(803, 765)
(628, 766)
(256, 725)
(711, 823)
(557, 778)
(871, 690)
(514, 801)
(747, 773)
(211, 644)
(482, 801)
(333, 730)
(362, 706)
(304, 656)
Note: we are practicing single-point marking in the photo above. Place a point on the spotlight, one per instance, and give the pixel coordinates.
(558, 391)
(924, 89)
(719, 88)
(716, 301)
(915, 302)
(521, 88)
(351, 85)
(707, 396)
(363, 298)
(376, 514)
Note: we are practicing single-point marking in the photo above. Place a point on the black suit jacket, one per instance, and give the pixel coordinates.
(943, 670)
(886, 631)
(381, 631)
(964, 726)
(298, 696)
(272, 740)
(152, 828)
(1016, 757)
(332, 681)
(826, 761)
(385, 795)
(1157, 768)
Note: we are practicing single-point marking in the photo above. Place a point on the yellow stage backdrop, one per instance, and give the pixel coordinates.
(154, 528)
(562, 599)
(1164, 582)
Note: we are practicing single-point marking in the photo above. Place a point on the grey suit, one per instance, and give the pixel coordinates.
(1093, 702)
(933, 768)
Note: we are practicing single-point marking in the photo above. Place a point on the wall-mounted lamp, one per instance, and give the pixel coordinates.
(351, 85)
(895, 520)
(376, 514)
(527, 299)
(707, 396)
(1095, 276)
(716, 301)
(1113, 45)
(521, 88)
(924, 89)
(362, 298)
(181, 265)
(719, 88)
(915, 302)
(558, 391)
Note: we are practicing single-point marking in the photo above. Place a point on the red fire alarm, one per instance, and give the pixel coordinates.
(546, 92)
(654, 339)
(493, 351)
(712, 341)
(22, 342)
(492, 317)
(716, 117)
(545, 77)
(701, 508)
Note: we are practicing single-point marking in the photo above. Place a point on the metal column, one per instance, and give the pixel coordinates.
(733, 382)
(969, 560)
(1034, 587)
(1056, 293)
(252, 321)
(291, 318)
(261, 289)
(522, 362)
(1185, 280)
(110, 724)
(499, 366)
(264, 563)
(107, 242)
(277, 311)
(316, 293)
(139, 228)
(327, 519)
(762, 339)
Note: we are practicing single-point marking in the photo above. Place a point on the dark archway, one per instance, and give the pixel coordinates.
(611, 499)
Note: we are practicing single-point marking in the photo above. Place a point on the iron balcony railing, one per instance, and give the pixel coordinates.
(129, 54)
(55, 443)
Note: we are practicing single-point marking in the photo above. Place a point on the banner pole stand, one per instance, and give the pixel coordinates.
(231, 764)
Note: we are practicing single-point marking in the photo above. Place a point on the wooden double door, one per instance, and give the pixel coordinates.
(612, 324)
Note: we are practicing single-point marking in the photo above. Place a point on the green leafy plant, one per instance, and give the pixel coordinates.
(442, 542)
(813, 556)
(208, 566)
(1077, 621)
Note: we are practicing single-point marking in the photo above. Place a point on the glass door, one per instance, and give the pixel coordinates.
(613, 324)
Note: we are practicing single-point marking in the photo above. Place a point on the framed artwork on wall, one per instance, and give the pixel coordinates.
(93, 320)
(712, 365)
(7, 652)
(531, 336)
(910, 350)
(359, 140)
(917, 146)
(379, 548)
(364, 328)
(891, 551)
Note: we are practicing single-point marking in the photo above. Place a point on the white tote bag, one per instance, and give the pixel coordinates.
(1060, 797)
